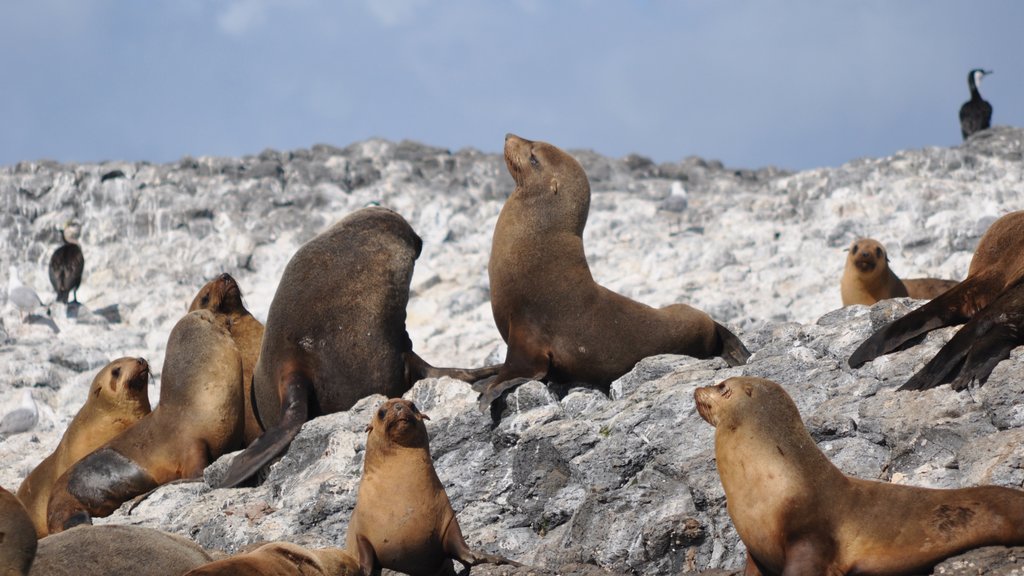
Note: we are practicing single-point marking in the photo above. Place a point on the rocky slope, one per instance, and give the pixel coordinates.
(576, 482)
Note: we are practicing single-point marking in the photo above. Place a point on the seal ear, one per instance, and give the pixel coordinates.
(748, 388)
(422, 416)
(369, 428)
(554, 186)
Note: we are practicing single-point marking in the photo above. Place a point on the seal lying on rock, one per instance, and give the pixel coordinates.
(560, 325)
(199, 418)
(798, 514)
(867, 277)
(997, 266)
(283, 559)
(336, 333)
(117, 399)
(403, 520)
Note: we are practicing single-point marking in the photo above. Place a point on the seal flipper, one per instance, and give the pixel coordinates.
(733, 351)
(945, 365)
(454, 545)
(367, 556)
(999, 332)
(274, 441)
(416, 369)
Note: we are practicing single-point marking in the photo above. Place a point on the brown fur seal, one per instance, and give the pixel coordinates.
(336, 331)
(283, 559)
(199, 418)
(403, 520)
(997, 265)
(560, 325)
(112, 549)
(867, 277)
(17, 536)
(117, 399)
(222, 295)
(798, 514)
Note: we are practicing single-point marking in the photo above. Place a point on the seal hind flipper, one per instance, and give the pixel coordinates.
(733, 351)
(996, 331)
(416, 369)
(294, 413)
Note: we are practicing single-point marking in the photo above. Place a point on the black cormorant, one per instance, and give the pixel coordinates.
(975, 114)
(66, 264)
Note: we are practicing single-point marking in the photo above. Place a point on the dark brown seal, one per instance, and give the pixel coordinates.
(403, 520)
(117, 399)
(283, 559)
(112, 549)
(17, 536)
(561, 325)
(199, 418)
(335, 331)
(997, 266)
(223, 296)
(798, 514)
(867, 277)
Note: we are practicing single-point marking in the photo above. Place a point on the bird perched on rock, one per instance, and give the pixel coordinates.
(21, 419)
(67, 263)
(24, 298)
(976, 113)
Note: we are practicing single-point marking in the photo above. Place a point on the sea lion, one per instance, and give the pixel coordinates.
(199, 418)
(997, 265)
(113, 549)
(67, 263)
(283, 559)
(117, 399)
(222, 295)
(17, 536)
(403, 520)
(867, 277)
(560, 325)
(335, 331)
(798, 514)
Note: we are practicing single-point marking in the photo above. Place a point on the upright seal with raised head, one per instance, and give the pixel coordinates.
(867, 277)
(559, 323)
(798, 514)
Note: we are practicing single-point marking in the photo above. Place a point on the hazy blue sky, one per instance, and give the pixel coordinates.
(797, 84)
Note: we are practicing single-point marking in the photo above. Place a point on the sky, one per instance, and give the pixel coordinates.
(796, 84)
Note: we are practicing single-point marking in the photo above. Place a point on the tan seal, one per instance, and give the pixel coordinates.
(199, 418)
(561, 325)
(283, 559)
(997, 266)
(403, 520)
(798, 514)
(117, 399)
(867, 277)
(335, 331)
(223, 296)
(17, 536)
(111, 549)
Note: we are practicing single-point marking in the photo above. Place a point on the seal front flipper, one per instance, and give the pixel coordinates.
(367, 557)
(454, 546)
(733, 351)
(416, 369)
(524, 360)
(294, 413)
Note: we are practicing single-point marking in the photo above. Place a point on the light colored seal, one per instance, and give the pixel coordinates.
(199, 418)
(117, 399)
(798, 514)
(997, 266)
(403, 520)
(561, 325)
(336, 331)
(283, 559)
(867, 277)
(223, 296)
(111, 549)
(17, 536)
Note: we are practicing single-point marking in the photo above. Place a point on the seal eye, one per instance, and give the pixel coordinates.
(116, 372)
(382, 413)
(533, 161)
(205, 300)
(853, 249)
(878, 252)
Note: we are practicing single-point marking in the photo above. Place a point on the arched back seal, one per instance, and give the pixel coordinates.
(283, 559)
(403, 520)
(199, 418)
(798, 514)
(335, 331)
(560, 324)
(17, 536)
(867, 277)
(117, 399)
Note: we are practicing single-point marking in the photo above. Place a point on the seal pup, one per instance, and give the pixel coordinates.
(976, 113)
(403, 520)
(17, 537)
(799, 514)
(199, 418)
(335, 331)
(115, 549)
(67, 263)
(223, 296)
(559, 324)
(867, 277)
(997, 265)
(283, 559)
(21, 419)
(117, 399)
